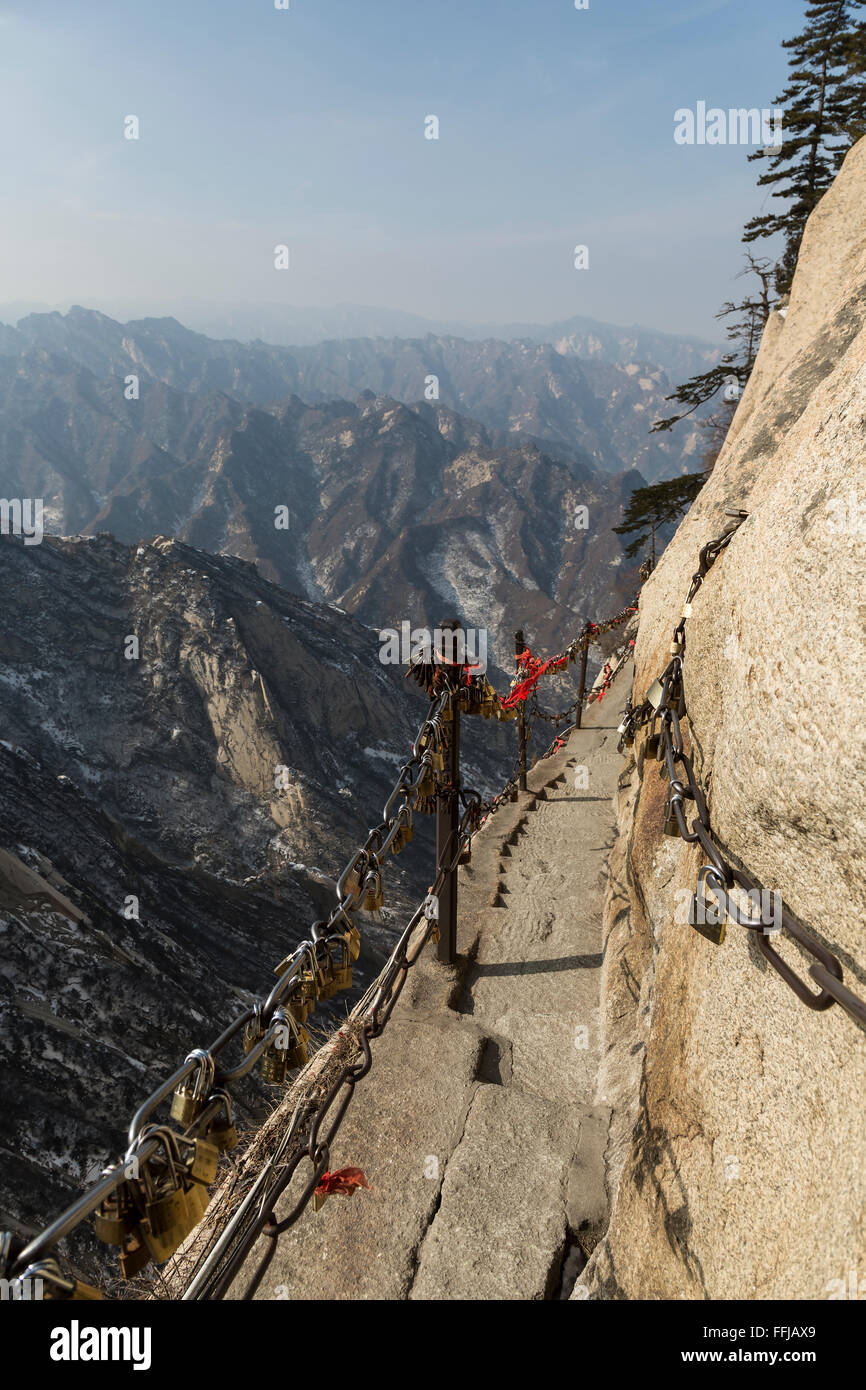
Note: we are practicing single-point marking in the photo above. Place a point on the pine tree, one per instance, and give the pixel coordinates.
(733, 371)
(824, 107)
(824, 110)
(658, 505)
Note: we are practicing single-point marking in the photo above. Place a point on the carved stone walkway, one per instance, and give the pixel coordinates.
(478, 1127)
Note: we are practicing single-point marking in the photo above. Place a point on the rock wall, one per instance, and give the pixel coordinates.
(735, 1158)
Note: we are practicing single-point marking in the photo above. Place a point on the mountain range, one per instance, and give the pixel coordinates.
(290, 325)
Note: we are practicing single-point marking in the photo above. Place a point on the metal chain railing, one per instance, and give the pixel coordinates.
(151, 1200)
(372, 1013)
(665, 703)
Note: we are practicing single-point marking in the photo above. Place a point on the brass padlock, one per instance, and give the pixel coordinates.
(57, 1286)
(115, 1218)
(341, 962)
(374, 895)
(327, 982)
(354, 939)
(352, 884)
(134, 1256)
(84, 1291)
(253, 1031)
(297, 1003)
(198, 1200)
(405, 834)
(427, 785)
(708, 918)
(296, 1053)
(221, 1131)
(273, 1065)
(655, 693)
(308, 983)
(169, 1214)
(202, 1161)
(190, 1097)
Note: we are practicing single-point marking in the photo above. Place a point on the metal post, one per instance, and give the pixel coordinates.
(582, 691)
(452, 658)
(520, 646)
(447, 826)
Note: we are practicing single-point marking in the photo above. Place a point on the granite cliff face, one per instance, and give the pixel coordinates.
(735, 1156)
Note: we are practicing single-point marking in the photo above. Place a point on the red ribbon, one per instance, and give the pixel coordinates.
(534, 668)
(344, 1180)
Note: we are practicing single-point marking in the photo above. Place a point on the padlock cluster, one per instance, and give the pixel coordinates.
(433, 745)
(165, 1193)
(479, 697)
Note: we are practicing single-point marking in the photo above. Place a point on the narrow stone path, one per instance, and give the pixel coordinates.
(478, 1127)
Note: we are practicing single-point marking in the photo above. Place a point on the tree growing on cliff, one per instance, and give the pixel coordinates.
(824, 108)
(824, 114)
(649, 508)
(747, 320)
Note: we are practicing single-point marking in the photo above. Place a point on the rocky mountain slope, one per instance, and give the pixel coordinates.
(735, 1158)
(152, 873)
(395, 513)
(599, 407)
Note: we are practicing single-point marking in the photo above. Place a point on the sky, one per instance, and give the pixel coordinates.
(305, 127)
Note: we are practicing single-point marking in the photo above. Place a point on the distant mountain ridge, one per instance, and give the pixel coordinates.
(295, 326)
(588, 407)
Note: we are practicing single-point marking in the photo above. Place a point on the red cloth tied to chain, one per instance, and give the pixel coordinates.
(345, 1180)
(533, 669)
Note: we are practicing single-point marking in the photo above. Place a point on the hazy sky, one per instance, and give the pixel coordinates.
(306, 127)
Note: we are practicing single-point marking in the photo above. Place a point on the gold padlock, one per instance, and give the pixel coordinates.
(169, 1214)
(354, 937)
(57, 1286)
(654, 694)
(190, 1096)
(327, 982)
(297, 1003)
(115, 1218)
(273, 1065)
(308, 983)
(202, 1162)
(82, 1291)
(134, 1255)
(221, 1131)
(296, 1053)
(374, 896)
(252, 1031)
(198, 1200)
(341, 962)
(352, 883)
